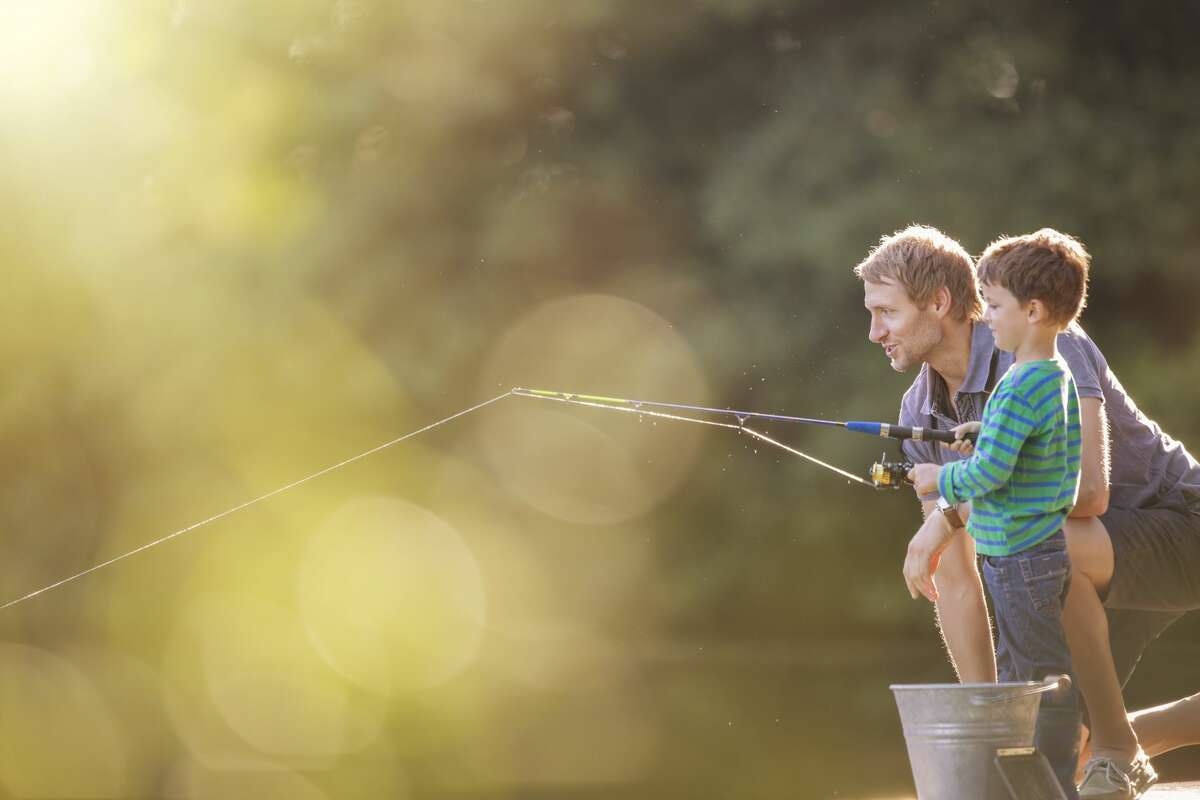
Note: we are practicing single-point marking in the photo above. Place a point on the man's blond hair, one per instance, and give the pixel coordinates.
(922, 260)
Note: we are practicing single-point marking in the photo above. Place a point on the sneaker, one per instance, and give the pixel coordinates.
(1104, 780)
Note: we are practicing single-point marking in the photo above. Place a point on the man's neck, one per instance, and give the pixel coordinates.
(952, 356)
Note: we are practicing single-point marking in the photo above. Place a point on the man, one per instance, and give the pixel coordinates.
(1133, 535)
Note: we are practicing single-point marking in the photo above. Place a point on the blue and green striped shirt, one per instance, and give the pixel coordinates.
(1023, 477)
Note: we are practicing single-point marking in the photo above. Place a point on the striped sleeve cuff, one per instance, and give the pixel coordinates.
(946, 482)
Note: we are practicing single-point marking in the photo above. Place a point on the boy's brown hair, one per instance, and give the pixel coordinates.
(1045, 265)
(922, 260)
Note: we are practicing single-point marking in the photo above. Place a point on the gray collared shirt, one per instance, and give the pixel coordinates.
(1149, 468)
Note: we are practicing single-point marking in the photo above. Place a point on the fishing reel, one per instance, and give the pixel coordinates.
(890, 474)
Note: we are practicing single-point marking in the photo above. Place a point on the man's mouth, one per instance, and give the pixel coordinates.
(889, 350)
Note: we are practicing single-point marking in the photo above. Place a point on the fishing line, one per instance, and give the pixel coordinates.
(592, 401)
(249, 503)
(794, 451)
(573, 400)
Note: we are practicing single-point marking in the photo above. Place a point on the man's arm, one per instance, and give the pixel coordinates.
(961, 608)
(1094, 464)
(925, 552)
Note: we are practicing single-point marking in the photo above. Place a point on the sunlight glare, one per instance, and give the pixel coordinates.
(46, 48)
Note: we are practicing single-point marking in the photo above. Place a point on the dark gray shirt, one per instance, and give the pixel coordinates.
(1149, 468)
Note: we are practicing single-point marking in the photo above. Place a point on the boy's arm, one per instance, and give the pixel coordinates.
(1010, 422)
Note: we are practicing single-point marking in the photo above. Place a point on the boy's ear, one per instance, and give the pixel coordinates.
(1036, 311)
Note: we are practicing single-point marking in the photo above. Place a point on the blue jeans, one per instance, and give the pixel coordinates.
(1028, 590)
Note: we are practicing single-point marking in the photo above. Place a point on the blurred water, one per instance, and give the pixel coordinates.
(813, 720)
(542, 714)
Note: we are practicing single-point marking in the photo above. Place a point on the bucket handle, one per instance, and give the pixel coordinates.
(1048, 683)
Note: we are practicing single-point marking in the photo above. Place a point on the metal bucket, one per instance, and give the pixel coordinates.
(953, 731)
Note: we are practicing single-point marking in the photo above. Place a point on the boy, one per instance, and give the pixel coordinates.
(1023, 476)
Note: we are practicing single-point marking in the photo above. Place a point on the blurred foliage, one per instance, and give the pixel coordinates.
(247, 240)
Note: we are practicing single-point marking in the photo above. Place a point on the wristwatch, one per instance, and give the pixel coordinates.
(950, 512)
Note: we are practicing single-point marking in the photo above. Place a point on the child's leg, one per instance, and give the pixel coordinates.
(1028, 590)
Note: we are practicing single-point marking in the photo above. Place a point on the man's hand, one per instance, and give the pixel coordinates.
(961, 443)
(925, 478)
(924, 551)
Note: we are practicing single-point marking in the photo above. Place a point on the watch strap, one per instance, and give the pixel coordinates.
(950, 512)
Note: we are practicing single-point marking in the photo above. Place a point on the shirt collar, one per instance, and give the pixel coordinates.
(979, 369)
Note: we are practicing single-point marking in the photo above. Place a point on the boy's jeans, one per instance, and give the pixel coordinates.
(1028, 590)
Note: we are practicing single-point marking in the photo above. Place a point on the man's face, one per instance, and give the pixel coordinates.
(907, 333)
(1006, 316)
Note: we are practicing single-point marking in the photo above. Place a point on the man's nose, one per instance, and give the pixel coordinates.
(876, 331)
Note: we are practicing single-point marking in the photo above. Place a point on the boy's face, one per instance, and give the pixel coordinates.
(907, 333)
(1006, 316)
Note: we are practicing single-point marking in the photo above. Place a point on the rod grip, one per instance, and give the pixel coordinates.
(938, 435)
(904, 432)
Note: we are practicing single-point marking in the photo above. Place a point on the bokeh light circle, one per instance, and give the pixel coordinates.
(245, 680)
(391, 596)
(588, 465)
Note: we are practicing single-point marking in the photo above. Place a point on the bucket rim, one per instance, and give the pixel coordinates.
(975, 687)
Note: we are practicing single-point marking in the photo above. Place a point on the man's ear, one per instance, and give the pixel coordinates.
(941, 302)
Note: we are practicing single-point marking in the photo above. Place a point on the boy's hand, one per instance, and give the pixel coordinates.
(962, 444)
(925, 478)
(924, 552)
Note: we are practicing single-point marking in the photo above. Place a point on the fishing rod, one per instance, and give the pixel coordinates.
(882, 429)
(592, 401)
(883, 474)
